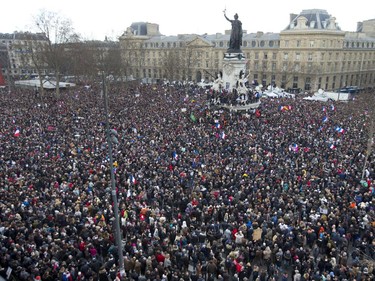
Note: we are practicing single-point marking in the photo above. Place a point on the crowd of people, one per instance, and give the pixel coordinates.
(286, 193)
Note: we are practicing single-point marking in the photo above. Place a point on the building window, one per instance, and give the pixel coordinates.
(274, 56)
(274, 66)
(295, 82)
(307, 84)
(271, 43)
(221, 44)
(310, 56)
(262, 43)
(265, 55)
(283, 81)
(245, 43)
(286, 43)
(256, 56)
(256, 65)
(253, 44)
(312, 43)
(285, 56)
(264, 79)
(298, 56)
(298, 43)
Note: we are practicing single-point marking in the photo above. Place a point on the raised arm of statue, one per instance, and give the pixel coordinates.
(228, 19)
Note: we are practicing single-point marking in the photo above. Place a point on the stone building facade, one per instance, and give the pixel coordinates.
(15, 58)
(312, 52)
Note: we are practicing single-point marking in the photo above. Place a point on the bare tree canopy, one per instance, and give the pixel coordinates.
(58, 31)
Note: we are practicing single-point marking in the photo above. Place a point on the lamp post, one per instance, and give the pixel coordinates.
(113, 185)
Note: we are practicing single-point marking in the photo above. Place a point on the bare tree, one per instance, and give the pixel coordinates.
(189, 62)
(171, 65)
(58, 32)
(80, 61)
(31, 51)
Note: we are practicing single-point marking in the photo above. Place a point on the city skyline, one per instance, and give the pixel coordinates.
(95, 21)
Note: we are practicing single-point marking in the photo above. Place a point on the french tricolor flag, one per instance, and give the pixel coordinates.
(339, 130)
(325, 119)
(133, 180)
(223, 135)
(332, 146)
(17, 133)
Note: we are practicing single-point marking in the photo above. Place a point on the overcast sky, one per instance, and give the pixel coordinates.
(95, 19)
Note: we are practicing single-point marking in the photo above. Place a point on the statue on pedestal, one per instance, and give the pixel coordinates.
(218, 84)
(235, 41)
(241, 83)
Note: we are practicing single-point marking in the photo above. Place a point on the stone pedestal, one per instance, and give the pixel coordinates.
(232, 65)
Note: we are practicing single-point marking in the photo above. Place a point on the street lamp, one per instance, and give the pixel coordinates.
(110, 135)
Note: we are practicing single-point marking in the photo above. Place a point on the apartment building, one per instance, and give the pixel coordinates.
(15, 53)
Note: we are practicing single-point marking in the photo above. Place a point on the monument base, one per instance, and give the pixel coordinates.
(233, 65)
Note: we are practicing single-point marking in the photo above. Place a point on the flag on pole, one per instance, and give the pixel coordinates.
(223, 135)
(332, 107)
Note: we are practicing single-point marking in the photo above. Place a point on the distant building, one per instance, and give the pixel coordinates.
(311, 52)
(367, 27)
(15, 59)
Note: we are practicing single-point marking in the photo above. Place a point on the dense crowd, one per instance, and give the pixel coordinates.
(203, 193)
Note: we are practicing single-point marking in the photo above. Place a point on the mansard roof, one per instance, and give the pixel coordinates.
(313, 19)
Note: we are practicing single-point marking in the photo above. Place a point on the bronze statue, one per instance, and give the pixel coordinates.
(235, 41)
